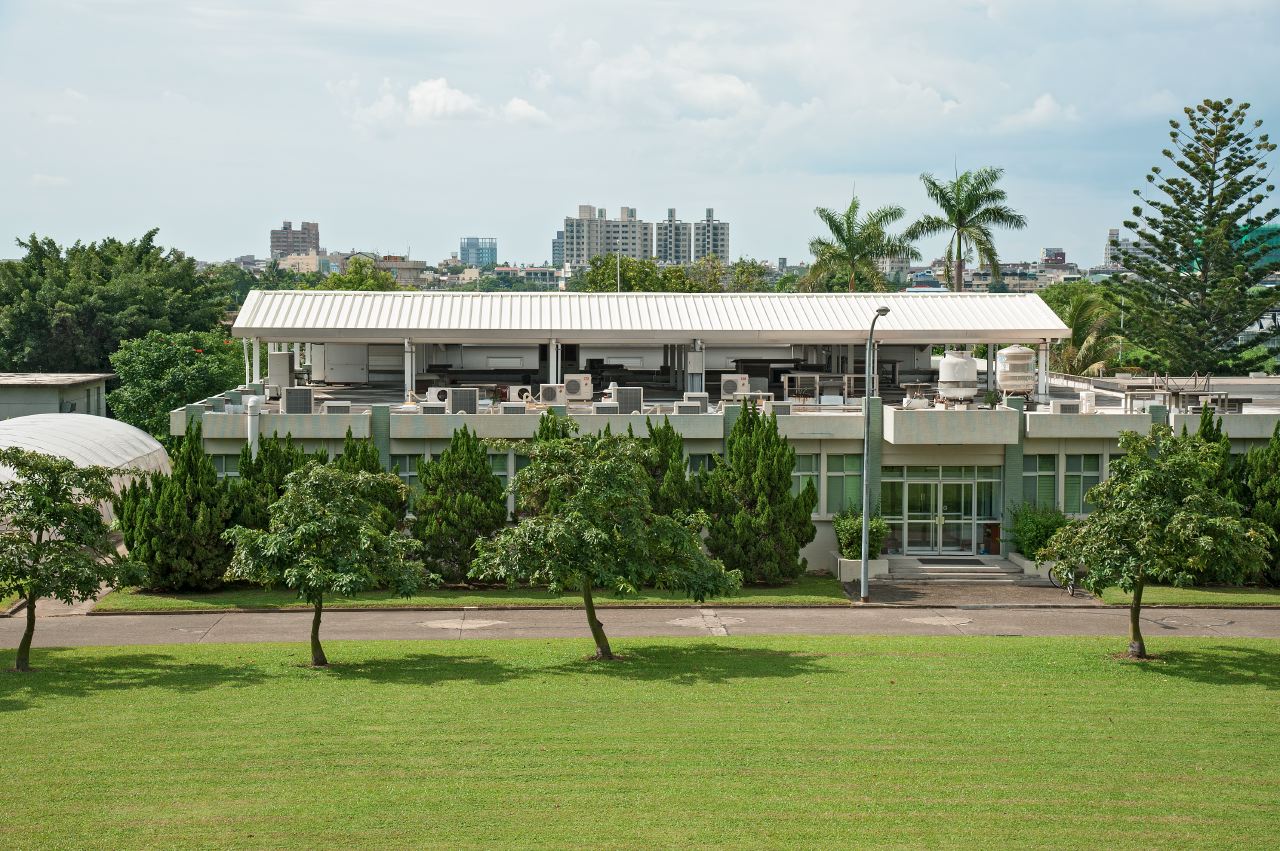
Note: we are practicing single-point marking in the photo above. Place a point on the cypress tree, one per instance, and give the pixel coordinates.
(460, 501)
(1259, 487)
(757, 525)
(359, 455)
(261, 479)
(670, 487)
(173, 523)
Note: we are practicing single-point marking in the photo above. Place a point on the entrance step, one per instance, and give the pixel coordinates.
(953, 569)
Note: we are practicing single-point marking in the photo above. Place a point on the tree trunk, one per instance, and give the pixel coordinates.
(318, 659)
(603, 650)
(22, 662)
(853, 284)
(959, 271)
(1137, 647)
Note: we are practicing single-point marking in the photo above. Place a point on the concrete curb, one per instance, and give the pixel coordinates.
(14, 609)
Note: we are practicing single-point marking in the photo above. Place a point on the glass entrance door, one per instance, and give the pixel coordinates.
(955, 517)
(922, 517)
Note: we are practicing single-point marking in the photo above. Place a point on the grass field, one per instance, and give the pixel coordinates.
(806, 591)
(738, 742)
(1157, 595)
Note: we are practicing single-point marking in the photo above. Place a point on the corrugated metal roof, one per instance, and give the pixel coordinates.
(319, 315)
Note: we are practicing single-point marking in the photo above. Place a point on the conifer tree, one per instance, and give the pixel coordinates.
(261, 479)
(757, 525)
(359, 455)
(552, 426)
(172, 523)
(460, 501)
(671, 488)
(1204, 248)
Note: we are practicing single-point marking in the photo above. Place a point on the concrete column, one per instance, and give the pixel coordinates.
(1042, 371)
(553, 362)
(991, 366)
(257, 361)
(1012, 484)
(248, 376)
(409, 370)
(380, 432)
(874, 450)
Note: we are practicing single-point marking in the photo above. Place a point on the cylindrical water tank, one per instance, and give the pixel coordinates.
(958, 376)
(1016, 369)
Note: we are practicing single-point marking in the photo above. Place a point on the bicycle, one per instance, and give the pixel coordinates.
(1056, 580)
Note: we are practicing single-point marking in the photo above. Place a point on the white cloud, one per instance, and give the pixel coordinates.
(434, 100)
(61, 119)
(521, 111)
(716, 93)
(74, 94)
(1046, 111)
(49, 180)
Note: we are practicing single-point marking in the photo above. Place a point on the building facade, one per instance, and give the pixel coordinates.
(478, 251)
(26, 393)
(285, 240)
(557, 249)
(590, 234)
(673, 241)
(711, 236)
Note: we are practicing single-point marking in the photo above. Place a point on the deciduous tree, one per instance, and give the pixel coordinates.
(53, 540)
(1157, 519)
(163, 371)
(322, 541)
(587, 522)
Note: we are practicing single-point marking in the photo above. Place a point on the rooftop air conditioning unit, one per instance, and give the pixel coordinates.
(334, 406)
(604, 407)
(1061, 406)
(438, 395)
(703, 400)
(779, 408)
(512, 408)
(552, 394)
(732, 385)
(689, 408)
(519, 393)
(463, 400)
(577, 387)
(630, 400)
(297, 400)
(432, 408)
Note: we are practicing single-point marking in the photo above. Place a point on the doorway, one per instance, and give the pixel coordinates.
(940, 517)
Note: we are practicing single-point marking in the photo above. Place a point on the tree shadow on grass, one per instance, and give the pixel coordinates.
(698, 663)
(1222, 665)
(62, 673)
(427, 669)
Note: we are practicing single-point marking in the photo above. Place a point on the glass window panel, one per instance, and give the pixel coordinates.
(498, 464)
(853, 464)
(1048, 463)
(844, 493)
(1029, 463)
(1046, 491)
(1029, 490)
(957, 472)
(922, 472)
(1071, 495)
(1074, 463)
(988, 472)
(890, 472)
(806, 464)
(1092, 463)
(988, 502)
(891, 499)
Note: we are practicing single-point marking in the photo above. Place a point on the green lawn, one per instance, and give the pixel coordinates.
(801, 742)
(806, 591)
(1157, 595)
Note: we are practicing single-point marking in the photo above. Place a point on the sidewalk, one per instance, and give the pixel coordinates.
(229, 628)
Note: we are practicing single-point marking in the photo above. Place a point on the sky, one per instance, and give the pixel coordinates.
(401, 126)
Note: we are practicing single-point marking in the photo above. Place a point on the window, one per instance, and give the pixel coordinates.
(498, 464)
(1040, 480)
(406, 467)
(700, 462)
(891, 500)
(806, 470)
(227, 465)
(844, 483)
(1081, 473)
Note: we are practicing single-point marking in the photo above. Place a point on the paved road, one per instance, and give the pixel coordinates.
(78, 630)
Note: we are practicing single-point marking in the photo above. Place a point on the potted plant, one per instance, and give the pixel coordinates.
(848, 529)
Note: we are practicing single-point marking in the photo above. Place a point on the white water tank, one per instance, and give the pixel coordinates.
(958, 376)
(1016, 369)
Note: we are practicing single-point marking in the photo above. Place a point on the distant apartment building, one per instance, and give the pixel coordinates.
(286, 241)
(711, 236)
(894, 269)
(309, 262)
(408, 273)
(557, 249)
(673, 240)
(591, 234)
(1116, 247)
(478, 251)
(1053, 257)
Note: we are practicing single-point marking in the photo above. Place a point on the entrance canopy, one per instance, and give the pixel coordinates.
(318, 316)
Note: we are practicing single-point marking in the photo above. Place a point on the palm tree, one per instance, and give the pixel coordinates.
(856, 243)
(971, 206)
(1091, 345)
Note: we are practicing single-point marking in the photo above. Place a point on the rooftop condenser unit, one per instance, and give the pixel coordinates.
(463, 400)
(630, 399)
(577, 387)
(732, 385)
(552, 394)
(296, 400)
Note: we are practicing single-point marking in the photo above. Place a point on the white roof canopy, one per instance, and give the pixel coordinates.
(318, 316)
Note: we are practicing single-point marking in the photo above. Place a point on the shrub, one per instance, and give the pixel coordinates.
(1034, 526)
(848, 527)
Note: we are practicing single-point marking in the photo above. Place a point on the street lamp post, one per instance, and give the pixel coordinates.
(864, 589)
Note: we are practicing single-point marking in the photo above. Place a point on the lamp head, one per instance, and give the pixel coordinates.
(882, 311)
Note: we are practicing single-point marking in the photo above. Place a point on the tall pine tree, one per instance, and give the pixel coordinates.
(172, 523)
(1204, 245)
(261, 479)
(460, 500)
(757, 525)
(670, 488)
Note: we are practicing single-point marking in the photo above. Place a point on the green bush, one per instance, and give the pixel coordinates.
(848, 528)
(459, 500)
(1034, 526)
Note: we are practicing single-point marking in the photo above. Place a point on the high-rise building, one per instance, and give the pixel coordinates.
(1111, 253)
(590, 234)
(1053, 256)
(557, 250)
(711, 236)
(673, 240)
(478, 251)
(285, 240)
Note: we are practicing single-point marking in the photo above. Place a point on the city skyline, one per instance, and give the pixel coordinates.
(505, 117)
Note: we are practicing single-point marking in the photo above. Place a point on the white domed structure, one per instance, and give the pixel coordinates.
(87, 441)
